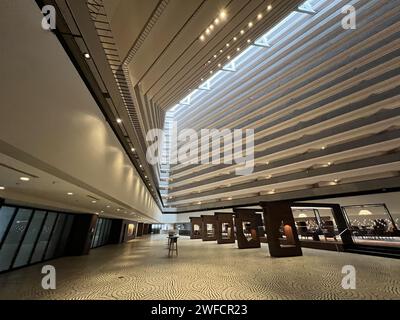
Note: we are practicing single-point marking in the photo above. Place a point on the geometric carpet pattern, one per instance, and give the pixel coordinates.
(205, 270)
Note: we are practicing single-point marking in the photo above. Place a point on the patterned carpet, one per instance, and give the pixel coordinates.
(142, 270)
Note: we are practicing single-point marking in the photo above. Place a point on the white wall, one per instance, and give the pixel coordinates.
(48, 114)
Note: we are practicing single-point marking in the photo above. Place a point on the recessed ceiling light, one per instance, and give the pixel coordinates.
(133, 149)
(70, 194)
(2, 188)
(238, 49)
(211, 27)
(221, 51)
(202, 79)
(242, 32)
(140, 166)
(102, 211)
(260, 16)
(219, 65)
(24, 179)
(86, 55)
(94, 201)
(211, 72)
(223, 14)
(267, 162)
(248, 40)
(216, 21)
(208, 31)
(202, 37)
(269, 8)
(234, 39)
(119, 120)
(323, 148)
(228, 57)
(108, 206)
(227, 45)
(145, 177)
(272, 191)
(251, 24)
(215, 56)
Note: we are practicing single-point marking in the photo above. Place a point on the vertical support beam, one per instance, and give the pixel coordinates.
(82, 233)
(279, 222)
(140, 228)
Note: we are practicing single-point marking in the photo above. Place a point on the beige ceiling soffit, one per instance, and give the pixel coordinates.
(146, 30)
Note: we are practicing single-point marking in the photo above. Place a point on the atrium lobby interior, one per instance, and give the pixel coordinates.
(200, 150)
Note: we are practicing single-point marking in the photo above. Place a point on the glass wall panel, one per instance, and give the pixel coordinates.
(98, 232)
(44, 237)
(30, 238)
(6, 214)
(51, 249)
(13, 238)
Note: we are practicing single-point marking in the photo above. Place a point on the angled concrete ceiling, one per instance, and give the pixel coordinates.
(323, 101)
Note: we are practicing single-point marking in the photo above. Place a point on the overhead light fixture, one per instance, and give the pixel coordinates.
(223, 15)
(248, 40)
(211, 27)
(119, 120)
(70, 194)
(269, 8)
(238, 49)
(145, 177)
(234, 39)
(140, 166)
(260, 16)
(94, 201)
(216, 21)
(228, 57)
(211, 72)
(215, 56)
(2, 188)
(108, 206)
(86, 55)
(323, 148)
(227, 45)
(24, 179)
(221, 51)
(271, 191)
(202, 37)
(133, 149)
(251, 24)
(242, 32)
(219, 65)
(208, 31)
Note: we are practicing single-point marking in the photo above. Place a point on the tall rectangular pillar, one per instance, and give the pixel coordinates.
(282, 237)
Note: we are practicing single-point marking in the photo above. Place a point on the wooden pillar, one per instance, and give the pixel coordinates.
(140, 229)
(246, 222)
(209, 227)
(279, 222)
(225, 228)
(196, 228)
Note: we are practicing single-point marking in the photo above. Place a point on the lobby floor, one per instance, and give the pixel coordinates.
(204, 270)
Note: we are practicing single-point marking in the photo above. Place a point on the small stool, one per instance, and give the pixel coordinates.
(173, 246)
